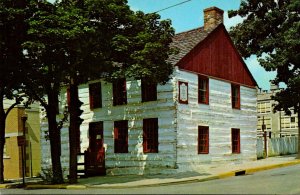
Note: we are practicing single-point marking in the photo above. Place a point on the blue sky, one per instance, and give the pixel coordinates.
(189, 15)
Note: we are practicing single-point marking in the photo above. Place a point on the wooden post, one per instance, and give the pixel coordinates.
(265, 137)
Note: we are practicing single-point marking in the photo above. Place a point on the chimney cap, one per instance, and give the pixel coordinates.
(213, 8)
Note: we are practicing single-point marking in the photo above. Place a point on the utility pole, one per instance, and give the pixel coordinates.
(265, 136)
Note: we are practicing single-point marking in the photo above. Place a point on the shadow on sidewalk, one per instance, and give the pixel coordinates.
(110, 179)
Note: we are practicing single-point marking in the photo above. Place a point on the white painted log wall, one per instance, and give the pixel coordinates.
(135, 161)
(178, 127)
(220, 117)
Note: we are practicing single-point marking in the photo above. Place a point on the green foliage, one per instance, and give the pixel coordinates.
(13, 31)
(74, 41)
(271, 30)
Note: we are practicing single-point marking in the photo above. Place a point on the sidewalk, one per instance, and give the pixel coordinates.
(213, 172)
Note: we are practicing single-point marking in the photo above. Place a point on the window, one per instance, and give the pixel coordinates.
(121, 136)
(235, 96)
(119, 92)
(235, 139)
(203, 140)
(263, 107)
(203, 90)
(95, 136)
(149, 92)
(95, 95)
(150, 135)
(5, 154)
(293, 119)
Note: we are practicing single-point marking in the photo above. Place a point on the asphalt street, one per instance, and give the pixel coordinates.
(276, 181)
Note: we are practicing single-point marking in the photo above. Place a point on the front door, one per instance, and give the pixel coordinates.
(95, 155)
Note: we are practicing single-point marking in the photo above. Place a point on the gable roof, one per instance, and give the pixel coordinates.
(185, 42)
(188, 41)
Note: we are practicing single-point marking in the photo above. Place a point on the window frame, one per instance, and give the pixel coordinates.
(150, 135)
(235, 141)
(235, 97)
(149, 91)
(121, 143)
(119, 92)
(95, 95)
(203, 135)
(206, 91)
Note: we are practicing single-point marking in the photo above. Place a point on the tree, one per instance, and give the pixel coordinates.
(13, 32)
(122, 43)
(53, 29)
(271, 30)
(72, 41)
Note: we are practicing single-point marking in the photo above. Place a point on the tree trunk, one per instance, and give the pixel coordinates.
(72, 133)
(54, 136)
(2, 139)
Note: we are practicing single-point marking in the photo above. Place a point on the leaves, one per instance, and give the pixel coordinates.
(271, 30)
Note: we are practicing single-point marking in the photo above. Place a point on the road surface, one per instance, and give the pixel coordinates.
(276, 181)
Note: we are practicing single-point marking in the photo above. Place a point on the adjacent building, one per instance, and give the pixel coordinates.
(205, 114)
(22, 122)
(277, 124)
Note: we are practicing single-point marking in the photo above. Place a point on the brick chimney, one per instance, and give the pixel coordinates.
(213, 16)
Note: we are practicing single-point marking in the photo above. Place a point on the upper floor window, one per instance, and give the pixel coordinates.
(203, 90)
(150, 135)
(235, 96)
(203, 140)
(119, 92)
(121, 136)
(95, 95)
(149, 91)
(235, 140)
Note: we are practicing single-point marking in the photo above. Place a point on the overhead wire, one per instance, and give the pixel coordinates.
(172, 6)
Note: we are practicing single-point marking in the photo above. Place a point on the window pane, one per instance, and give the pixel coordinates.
(149, 91)
(203, 89)
(121, 136)
(95, 95)
(119, 92)
(235, 96)
(203, 140)
(150, 135)
(235, 136)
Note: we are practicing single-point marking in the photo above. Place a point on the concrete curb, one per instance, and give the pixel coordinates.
(267, 167)
(184, 181)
